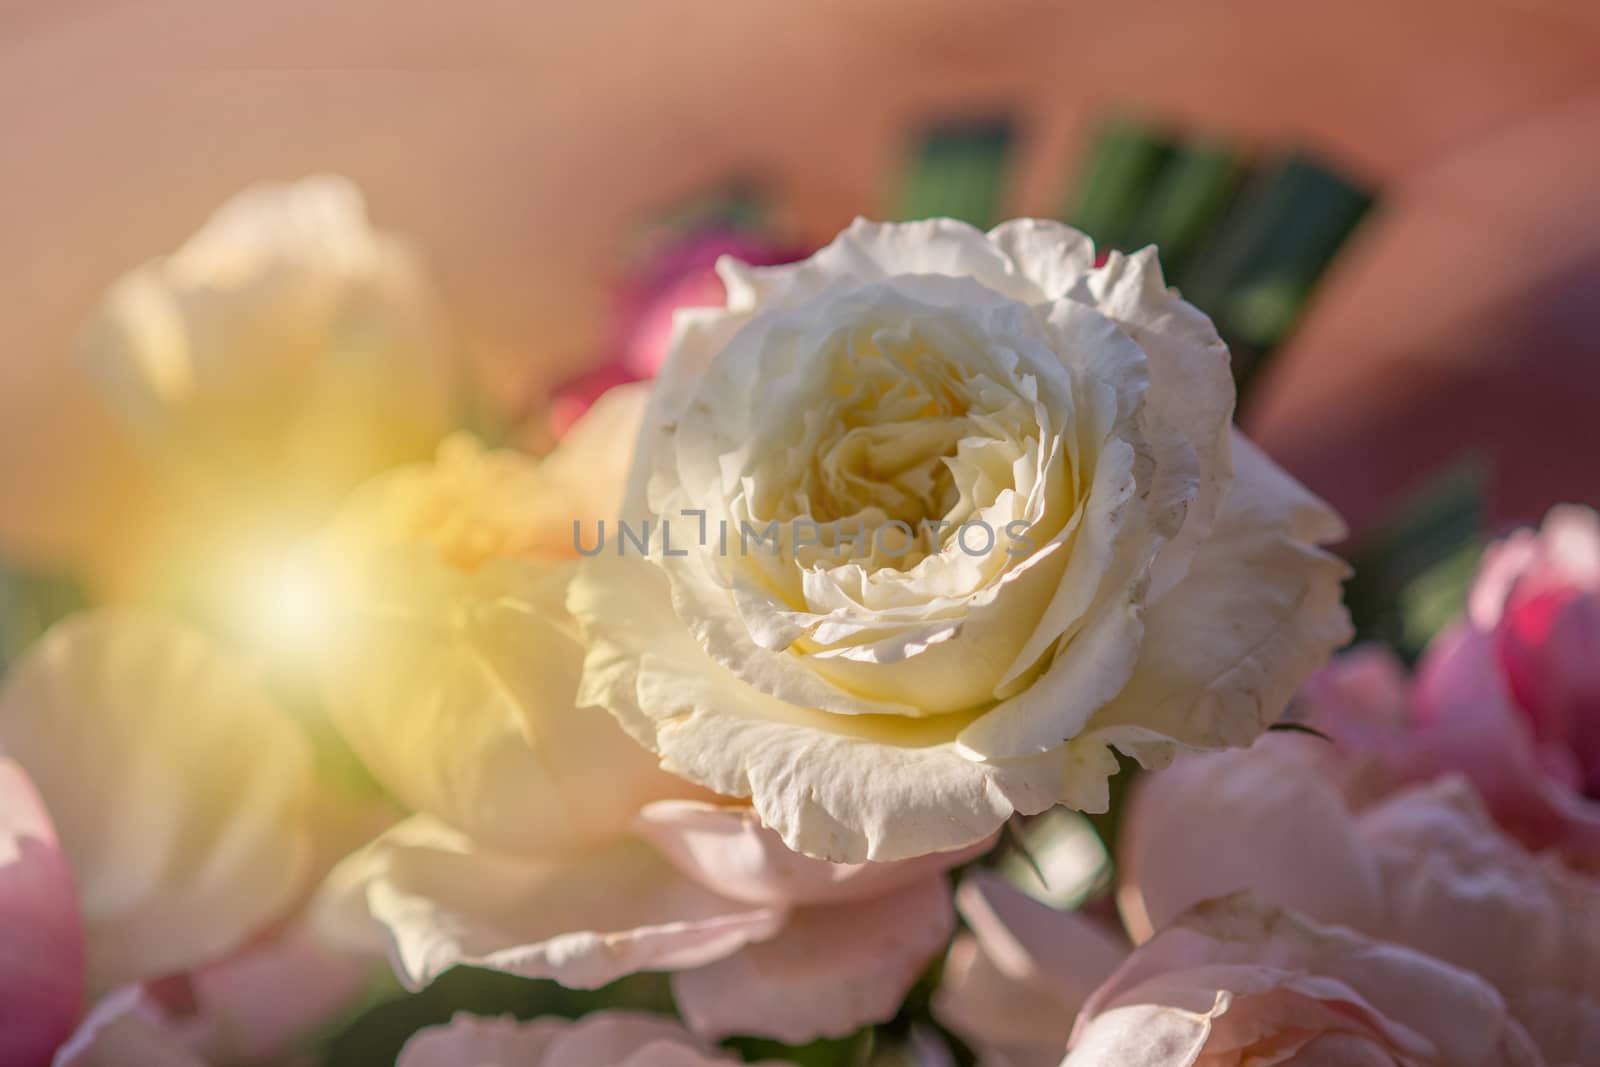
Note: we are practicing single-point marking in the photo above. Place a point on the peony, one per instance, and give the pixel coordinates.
(603, 1039)
(1001, 526)
(155, 826)
(545, 841)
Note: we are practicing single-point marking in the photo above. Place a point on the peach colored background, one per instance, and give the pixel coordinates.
(519, 141)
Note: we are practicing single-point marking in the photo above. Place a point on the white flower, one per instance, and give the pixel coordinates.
(1095, 559)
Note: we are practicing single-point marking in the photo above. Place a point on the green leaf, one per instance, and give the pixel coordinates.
(1116, 181)
(1187, 200)
(956, 170)
(30, 603)
(1256, 274)
(1412, 572)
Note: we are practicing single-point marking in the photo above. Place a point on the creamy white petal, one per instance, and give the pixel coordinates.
(867, 787)
(1259, 610)
(179, 791)
(1189, 406)
(584, 918)
(457, 691)
(286, 341)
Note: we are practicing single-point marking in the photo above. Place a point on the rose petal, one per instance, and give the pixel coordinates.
(1233, 974)
(832, 969)
(180, 793)
(457, 693)
(42, 953)
(728, 851)
(126, 1029)
(1260, 609)
(1216, 824)
(1458, 888)
(603, 1039)
(712, 728)
(584, 919)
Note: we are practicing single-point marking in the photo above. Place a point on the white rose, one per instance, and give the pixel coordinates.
(1154, 582)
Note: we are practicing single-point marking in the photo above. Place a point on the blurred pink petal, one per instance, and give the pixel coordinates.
(584, 919)
(680, 275)
(42, 960)
(1460, 890)
(831, 970)
(1216, 824)
(603, 1039)
(262, 1001)
(1538, 597)
(576, 396)
(126, 1029)
(1419, 865)
(1009, 1023)
(1466, 722)
(1012, 987)
(1236, 983)
(727, 850)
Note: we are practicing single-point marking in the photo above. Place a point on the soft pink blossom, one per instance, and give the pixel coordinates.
(1234, 983)
(1296, 822)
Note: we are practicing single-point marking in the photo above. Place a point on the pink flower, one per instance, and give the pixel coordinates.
(1308, 826)
(603, 1039)
(1234, 983)
(1537, 603)
(1508, 697)
(680, 275)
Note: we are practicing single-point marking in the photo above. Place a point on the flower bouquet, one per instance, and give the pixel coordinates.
(891, 654)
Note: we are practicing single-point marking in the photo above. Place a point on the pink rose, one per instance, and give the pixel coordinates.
(1508, 697)
(1234, 983)
(1302, 825)
(1536, 603)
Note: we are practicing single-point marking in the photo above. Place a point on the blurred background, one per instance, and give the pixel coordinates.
(522, 146)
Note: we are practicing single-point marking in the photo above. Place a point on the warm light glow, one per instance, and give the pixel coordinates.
(289, 607)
